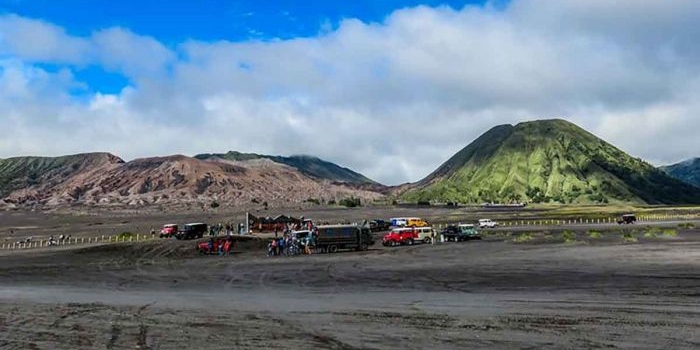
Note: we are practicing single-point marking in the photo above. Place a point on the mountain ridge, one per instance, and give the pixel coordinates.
(687, 171)
(309, 165)
(104, 179)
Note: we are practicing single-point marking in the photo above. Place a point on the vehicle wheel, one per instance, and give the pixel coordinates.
(410, 242)
(426, 241)
(333, 249)
(364, 246)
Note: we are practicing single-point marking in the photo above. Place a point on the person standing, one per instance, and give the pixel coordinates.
(274, 246)
(227, 247)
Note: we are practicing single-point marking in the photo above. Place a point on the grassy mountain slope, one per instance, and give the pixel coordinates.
(548, 161)
(307, 165)
(687, 171)
(22, 172)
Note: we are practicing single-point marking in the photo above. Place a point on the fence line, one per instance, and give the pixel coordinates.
(71, 241)
(580, 221)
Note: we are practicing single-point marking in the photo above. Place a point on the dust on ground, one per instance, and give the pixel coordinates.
(489, 294)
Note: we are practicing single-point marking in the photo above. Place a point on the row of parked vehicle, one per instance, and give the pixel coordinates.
(188, 231)
(426, 235)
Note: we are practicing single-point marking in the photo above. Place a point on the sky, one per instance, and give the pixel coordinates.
(389, 88)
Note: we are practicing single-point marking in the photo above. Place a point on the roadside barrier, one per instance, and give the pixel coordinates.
(72, 241)
(578, 221)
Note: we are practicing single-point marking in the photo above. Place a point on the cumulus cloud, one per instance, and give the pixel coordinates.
(392, 100)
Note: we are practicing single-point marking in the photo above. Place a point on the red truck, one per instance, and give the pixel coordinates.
(168, 231)
(204, 248)
(400, 236)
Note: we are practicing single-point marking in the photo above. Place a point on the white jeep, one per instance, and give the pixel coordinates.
(487, 223)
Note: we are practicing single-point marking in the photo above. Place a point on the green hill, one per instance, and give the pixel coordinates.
(307, 165)
(547, 161)
(687, 171)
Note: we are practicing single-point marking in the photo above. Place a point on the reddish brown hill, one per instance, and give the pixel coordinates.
(177, 179)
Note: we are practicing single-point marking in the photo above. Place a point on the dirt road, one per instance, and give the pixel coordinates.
(491, 294)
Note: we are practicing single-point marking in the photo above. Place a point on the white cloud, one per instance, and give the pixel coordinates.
(392, 100)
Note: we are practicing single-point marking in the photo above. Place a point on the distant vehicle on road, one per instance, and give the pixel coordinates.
(168, 230)
(627, 219)
(192, 231)
(461, 232)
(408, 222)
(379, 225)
(487, 223)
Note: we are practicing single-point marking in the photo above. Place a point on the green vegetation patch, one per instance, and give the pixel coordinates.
(523, 237)
(126, 235)
(568, 236)
(629, 236)
(652, 232)
(593, 234)
(688, 225)
(670, 232)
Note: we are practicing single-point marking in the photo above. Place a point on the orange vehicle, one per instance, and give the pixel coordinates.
(416, 222)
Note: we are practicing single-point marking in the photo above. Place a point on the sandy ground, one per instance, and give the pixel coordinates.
(489, 294)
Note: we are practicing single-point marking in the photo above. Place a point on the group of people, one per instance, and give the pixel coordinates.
(51, 241)
(227, 229)
(289, 244)
(223, 248)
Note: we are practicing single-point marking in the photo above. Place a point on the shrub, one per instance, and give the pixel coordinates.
(628, 236)
(523, 237)
(593, 234)
(313, 201)
(568, 236)
(351, 202)
(652, 232)
(686, 225)
(669, 232)
(126, 235)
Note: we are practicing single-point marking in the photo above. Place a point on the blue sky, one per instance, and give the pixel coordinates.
(175, 21)
(388, 88)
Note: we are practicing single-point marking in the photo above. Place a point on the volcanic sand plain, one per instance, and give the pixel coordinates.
(550, 291)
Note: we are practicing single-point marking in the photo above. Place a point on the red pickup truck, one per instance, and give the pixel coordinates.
(168, 231)
(204, 248)
(400, 236)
